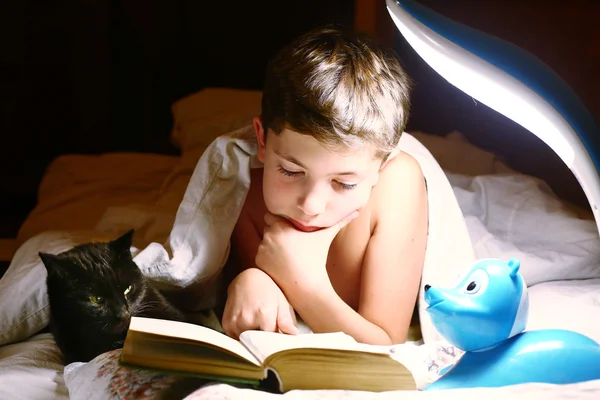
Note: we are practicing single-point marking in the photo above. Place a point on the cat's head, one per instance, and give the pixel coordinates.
(97, 282)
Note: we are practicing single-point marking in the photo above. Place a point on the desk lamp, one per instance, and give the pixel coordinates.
(511, 81)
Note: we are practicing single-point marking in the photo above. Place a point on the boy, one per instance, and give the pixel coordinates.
(334, 227)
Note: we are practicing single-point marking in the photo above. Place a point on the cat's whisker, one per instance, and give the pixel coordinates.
(95, 325)
(86, 291)
(148, 306)
(152, 303)
(145, 307)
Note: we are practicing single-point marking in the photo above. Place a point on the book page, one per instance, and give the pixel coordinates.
(197, 333)
(263, 344)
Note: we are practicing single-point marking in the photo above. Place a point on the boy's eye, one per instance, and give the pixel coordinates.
(345, 186)
(288, 172)
(128, 290)
(97, 299)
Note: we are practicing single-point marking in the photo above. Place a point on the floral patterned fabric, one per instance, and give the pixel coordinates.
(104, 378)
(128, 383)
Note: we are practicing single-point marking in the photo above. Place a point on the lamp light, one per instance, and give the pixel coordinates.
(511, 81)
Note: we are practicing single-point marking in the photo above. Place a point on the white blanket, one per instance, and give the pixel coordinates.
(505, 215)
(32, 370)
(502, 212)
(517, 216)
(582, 391)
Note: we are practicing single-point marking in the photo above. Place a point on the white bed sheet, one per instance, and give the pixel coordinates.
(32, 370)
(508, 215)
(497, 208)
(581, 391)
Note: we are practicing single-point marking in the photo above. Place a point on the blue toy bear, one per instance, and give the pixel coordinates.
(485, 315)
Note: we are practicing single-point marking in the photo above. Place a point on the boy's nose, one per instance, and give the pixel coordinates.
(313, 203)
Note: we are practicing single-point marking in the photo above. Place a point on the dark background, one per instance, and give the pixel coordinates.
(93, 76)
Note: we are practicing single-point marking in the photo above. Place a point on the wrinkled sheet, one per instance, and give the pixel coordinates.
(507, 215)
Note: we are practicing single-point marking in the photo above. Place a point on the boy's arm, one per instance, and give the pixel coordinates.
(253, 300)
(391, 269)
(393, 264)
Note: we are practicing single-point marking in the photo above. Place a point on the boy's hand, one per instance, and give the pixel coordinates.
(290, 256)
(254, 301)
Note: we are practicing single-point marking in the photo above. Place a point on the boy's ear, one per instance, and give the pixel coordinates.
(391, 156)
(260, 137)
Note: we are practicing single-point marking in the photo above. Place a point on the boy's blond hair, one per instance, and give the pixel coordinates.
(340, 88)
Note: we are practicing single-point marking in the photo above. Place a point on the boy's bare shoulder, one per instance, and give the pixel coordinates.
(401, 180)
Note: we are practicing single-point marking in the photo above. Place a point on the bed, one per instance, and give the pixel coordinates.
(507, 214)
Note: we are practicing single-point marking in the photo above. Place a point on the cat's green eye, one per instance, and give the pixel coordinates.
(128, 290)
(97, 299)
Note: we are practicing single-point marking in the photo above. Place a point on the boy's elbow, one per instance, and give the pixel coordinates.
(400, 336)
(379, 340)
(398, 339)
(385, 338)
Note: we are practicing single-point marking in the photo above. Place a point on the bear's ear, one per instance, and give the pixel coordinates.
(514, 265)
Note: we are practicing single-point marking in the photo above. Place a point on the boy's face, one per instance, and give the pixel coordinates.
(312, 186)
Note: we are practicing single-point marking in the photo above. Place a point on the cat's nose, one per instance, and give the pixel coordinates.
(427, 287)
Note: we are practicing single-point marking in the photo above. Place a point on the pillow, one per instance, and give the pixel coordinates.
(24, 309)
(76, 189)
(201, 117)
(7, 249)
(457, 155)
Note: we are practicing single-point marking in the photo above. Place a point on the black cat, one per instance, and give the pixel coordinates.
(94, 289)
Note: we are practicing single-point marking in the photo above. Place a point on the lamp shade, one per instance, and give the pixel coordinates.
(511, 81)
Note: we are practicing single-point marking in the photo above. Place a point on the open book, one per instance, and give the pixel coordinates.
(303, 361)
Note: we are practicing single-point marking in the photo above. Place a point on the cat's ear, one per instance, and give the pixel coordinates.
(122, 244)
(52, 263)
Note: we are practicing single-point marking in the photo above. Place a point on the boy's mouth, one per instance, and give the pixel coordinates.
(302, 227)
